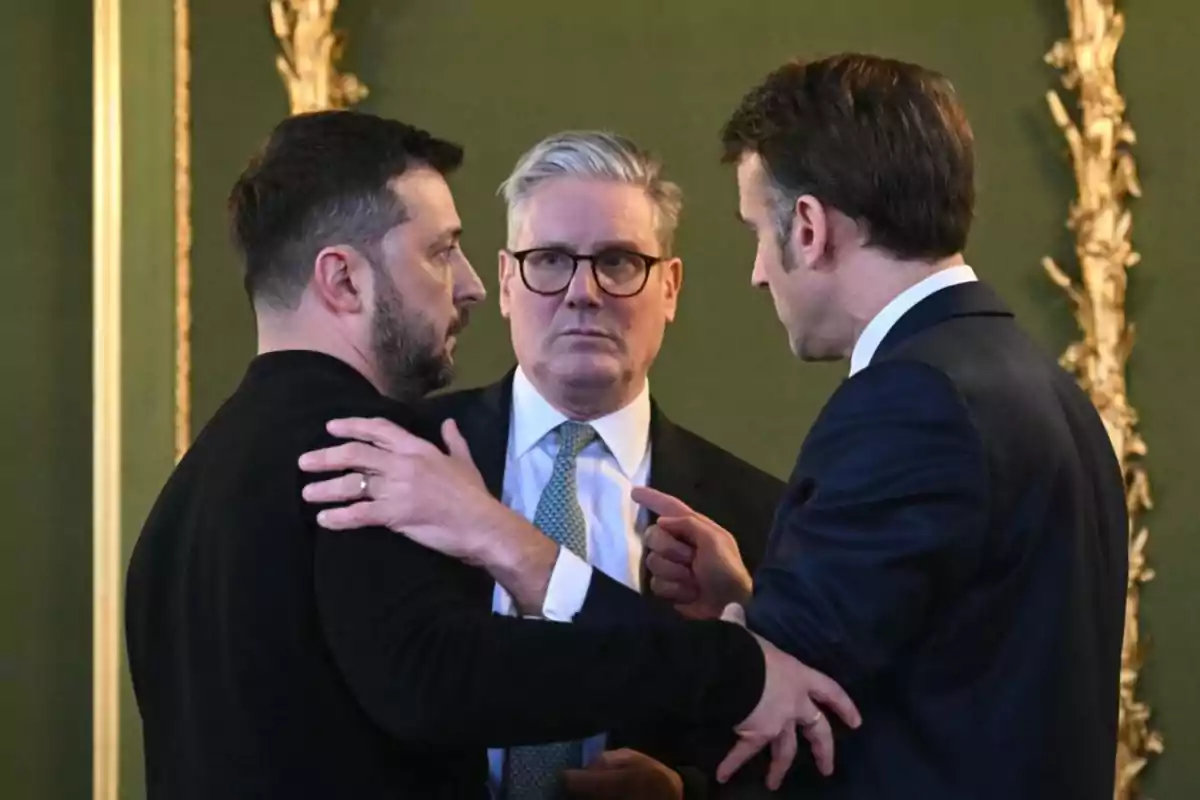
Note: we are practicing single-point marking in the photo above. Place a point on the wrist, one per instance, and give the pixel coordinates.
(521, 559)
(742, 589)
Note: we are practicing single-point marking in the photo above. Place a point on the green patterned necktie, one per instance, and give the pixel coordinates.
(533, 772)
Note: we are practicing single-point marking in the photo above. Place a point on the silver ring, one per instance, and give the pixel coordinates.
(362, 486)
(813, 721)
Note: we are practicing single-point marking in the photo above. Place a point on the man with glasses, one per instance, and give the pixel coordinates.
(588, 283)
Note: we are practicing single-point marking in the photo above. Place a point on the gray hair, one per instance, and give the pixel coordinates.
(599, 155)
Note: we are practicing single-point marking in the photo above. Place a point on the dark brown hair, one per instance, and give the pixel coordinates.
(882, 141)
(322, 179)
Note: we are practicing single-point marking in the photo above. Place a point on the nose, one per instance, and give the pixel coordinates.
(468, 288)
(583, 291)
(758, 276)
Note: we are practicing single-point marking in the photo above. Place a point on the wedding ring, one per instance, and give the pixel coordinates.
(819, 716)
(362, 486)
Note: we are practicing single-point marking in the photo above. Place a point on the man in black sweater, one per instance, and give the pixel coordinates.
(273, 658)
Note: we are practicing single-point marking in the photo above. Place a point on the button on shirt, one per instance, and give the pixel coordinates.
(608, 469)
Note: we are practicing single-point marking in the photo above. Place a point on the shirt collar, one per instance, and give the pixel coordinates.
(877, 329)
(625, 432)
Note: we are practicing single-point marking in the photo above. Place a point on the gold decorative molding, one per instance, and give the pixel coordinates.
(311, 51)
(106, 398)
(1106, 176)
(183, 230)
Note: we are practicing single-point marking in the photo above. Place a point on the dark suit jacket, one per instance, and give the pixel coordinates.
(952, 549)
(271, 658)
(737, 495)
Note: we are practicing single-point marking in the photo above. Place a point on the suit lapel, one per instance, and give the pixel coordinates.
(488, 434)
(672, 469)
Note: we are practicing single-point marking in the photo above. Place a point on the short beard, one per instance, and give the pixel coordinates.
(405, 347)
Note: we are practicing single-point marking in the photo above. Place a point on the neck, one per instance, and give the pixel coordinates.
(277, 333)
(874, 280)
(586, 401)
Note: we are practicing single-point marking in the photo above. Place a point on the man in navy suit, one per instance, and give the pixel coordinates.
(952, 546)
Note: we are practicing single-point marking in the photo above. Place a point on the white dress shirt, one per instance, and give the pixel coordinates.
(607, 470)
(883, 322)
(571, 576)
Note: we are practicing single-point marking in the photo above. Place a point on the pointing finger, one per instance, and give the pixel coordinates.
(659, 502)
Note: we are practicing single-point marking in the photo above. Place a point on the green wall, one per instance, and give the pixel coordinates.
(46, 402)
(497, 76)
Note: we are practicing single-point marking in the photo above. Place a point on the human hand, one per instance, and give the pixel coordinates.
(625, 774)
(406, 484)
(693, 562)
(402, 482)
(792, 695)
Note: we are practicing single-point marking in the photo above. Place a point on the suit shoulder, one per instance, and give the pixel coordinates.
(449, 404)
(718, 460)
(901, 384)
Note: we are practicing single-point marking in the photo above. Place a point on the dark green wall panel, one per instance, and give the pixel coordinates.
(45, 400)
(1158, 67)
(237, 97)
(148, 296)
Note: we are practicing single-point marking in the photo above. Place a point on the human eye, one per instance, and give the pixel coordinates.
(620, 264)
(549, 260)
(445, 255)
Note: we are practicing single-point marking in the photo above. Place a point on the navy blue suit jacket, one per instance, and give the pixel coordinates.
(952, 549)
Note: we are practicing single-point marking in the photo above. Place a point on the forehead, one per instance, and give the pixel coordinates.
(581, 211)
(428, 202)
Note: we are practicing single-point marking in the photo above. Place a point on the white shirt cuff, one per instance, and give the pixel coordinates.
(569, 582)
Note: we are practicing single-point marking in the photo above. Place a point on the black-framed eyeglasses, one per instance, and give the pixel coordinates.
(550, 270)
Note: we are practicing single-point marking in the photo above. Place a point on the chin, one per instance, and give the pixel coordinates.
(586, 369)
(816, 352)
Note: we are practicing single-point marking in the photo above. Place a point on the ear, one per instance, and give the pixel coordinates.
(506, 269)
(810, 231)
(340, 280)
(672, 283)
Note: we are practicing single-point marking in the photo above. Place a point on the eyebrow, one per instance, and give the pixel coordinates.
(448, 237)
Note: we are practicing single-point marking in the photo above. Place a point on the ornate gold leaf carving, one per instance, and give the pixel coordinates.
(1106, 176)
(311, 50)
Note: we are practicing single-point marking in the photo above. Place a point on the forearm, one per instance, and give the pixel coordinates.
(430, 663)
(520, 558)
